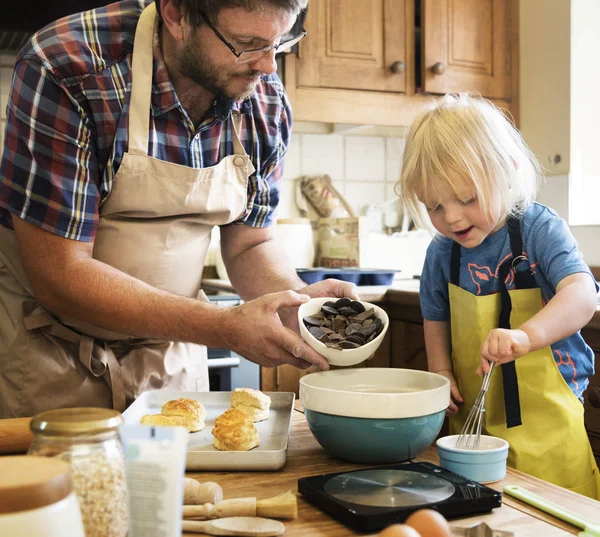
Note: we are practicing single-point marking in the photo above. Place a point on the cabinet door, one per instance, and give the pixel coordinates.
(408, 346)
(592, 394)
(355, 44)
(466, 47)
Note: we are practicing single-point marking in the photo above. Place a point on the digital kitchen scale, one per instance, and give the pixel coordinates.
(371, 499)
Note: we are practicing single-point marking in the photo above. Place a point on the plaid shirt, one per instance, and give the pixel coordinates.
(67, 125)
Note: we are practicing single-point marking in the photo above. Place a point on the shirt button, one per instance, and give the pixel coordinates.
(238, 161)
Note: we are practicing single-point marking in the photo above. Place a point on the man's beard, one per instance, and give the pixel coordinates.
(197, 67)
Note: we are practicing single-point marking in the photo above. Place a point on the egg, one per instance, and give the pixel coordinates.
(429, 523)
(399, 530)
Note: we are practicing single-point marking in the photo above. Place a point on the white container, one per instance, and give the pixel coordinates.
(295, 236)
(37, 498)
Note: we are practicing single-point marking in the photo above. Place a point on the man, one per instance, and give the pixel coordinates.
(129, 136)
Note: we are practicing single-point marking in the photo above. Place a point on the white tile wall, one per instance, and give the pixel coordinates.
(364, 169)
(364, 158)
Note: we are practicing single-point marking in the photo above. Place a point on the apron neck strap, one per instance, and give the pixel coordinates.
(512, 405)
(141, 84)
(455, 264)
(523, 279)
(236, 122)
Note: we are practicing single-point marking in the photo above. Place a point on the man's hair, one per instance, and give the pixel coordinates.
(211, 8)
(465, 139)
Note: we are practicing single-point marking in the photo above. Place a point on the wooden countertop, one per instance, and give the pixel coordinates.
(306, 458)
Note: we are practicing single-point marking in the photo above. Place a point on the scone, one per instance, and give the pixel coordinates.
(252, 402)
(193, 411)
(164, 421)
(235, 431)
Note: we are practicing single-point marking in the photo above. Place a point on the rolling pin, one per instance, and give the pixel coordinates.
(15, 435)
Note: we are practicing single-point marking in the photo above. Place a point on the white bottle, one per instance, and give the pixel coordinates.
(37, 498)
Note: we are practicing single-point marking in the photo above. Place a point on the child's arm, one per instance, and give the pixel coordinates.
(567, 312)
(437, 347)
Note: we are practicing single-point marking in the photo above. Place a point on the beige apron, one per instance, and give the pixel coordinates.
(155, 226)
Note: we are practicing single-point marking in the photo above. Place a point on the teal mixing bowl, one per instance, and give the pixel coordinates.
(374, 415)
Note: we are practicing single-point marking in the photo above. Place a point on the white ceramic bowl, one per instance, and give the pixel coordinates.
(344, 357)
(375, 392)
(375, 415)
(486, 464)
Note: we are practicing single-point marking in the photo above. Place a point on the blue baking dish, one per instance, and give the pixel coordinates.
(354, 275)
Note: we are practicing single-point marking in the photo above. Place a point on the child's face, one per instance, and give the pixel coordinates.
(459, 216)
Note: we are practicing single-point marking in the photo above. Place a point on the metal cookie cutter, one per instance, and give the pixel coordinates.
(480, 530)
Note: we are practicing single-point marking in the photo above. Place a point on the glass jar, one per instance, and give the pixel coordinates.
(37, 498)
(87, 438)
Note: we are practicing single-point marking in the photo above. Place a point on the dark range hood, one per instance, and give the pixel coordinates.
(21, 18)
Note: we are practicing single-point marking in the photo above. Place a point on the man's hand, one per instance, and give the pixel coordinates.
(502, 346)
(455, 396)
(255, 331)
(329, 287)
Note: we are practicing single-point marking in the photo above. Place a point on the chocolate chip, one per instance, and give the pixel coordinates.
(346, 311)
(309, 320)
(357, 306)
(328, 310)
(342, 303)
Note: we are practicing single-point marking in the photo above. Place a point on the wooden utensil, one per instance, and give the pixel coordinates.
(281, 506)
(15, 435)
(239, 526)
(195, 493)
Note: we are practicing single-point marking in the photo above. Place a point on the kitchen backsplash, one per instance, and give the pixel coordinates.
(363, 168)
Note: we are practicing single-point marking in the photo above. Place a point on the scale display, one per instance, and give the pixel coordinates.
(374, 498)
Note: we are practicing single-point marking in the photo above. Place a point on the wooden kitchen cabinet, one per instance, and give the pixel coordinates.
(466, 46)
(408, 346)
(353, 45)
(371, 61)
(592, 394)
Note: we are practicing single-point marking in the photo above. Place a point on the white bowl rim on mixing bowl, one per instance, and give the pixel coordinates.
(345, 357)
(487, 444)
(345, 392)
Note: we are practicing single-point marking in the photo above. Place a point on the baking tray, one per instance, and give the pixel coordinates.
(274, 432)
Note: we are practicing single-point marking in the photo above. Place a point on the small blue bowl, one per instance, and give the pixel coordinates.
(375, 441)
(484, 465)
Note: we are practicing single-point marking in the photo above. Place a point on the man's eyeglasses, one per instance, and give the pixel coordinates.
(245, 56)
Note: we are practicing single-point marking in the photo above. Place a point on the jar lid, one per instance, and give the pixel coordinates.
(76, 421)
(30, 482)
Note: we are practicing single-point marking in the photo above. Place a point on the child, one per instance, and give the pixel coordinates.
(503, 282)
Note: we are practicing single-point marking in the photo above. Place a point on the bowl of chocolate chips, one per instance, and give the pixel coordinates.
(344, 331)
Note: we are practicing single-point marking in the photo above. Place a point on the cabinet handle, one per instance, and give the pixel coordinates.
(594, 396)
(398, 68)
(438, 68)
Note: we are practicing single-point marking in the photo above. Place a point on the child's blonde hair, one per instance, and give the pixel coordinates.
(466, 138)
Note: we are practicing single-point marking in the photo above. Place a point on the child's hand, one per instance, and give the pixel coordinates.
(455, 397)
(502, 346)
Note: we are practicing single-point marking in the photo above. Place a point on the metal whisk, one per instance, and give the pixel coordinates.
(471, 431)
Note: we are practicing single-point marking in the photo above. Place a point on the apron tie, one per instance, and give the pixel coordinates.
(96, 358)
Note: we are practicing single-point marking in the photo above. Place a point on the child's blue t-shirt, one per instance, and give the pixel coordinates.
(552, 253)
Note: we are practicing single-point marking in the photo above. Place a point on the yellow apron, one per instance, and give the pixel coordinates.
(552, 443)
